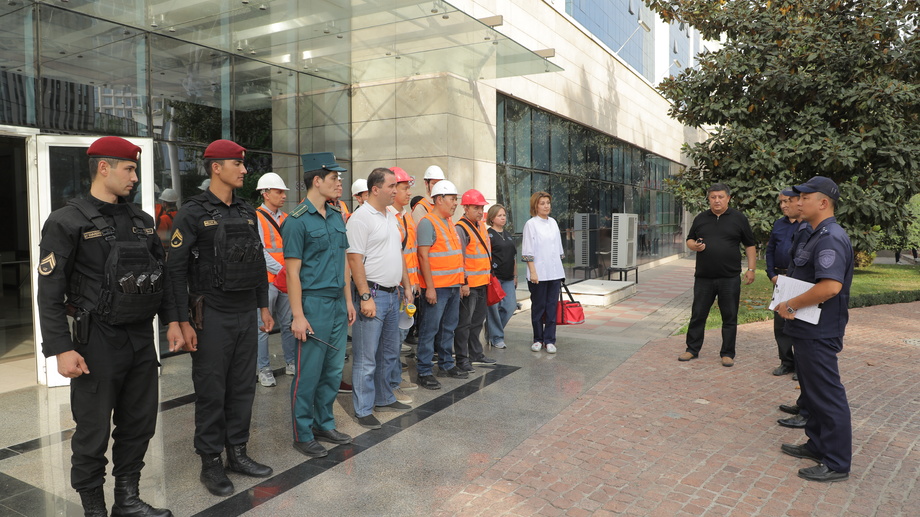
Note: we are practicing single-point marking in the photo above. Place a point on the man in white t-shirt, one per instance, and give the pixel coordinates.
(377, 270)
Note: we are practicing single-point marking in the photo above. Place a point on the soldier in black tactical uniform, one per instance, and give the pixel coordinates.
(102, 264)
(217, 270)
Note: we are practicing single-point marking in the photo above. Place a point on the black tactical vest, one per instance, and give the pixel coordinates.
(132, 285)
(238, 263)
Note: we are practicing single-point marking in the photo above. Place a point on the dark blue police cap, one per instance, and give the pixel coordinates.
(820, 184)
(789, 192)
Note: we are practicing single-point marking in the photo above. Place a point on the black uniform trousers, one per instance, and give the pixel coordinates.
(783, 342)
(121, 388)
(224, 383)
(467, 345)
(829, 429)
(705, 292)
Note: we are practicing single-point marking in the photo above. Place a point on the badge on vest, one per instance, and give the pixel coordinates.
(176, 240)
(91, 235)
(46, 266)
(209, 222)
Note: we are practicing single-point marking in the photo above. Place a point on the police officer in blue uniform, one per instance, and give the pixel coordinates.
(102, 264)
(826, 260)
(217, 268)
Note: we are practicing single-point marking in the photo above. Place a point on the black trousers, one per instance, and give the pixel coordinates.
(121, 388)
(829, 428)
(467, 345)
(705, 292)
(783, 342)
(222, 371)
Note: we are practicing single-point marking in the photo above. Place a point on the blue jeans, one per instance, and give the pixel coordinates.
(375, 346)
(500, 313)
(439, 320)
(280, 308)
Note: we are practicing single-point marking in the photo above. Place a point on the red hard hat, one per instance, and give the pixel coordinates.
(402, 176)
(473, 197)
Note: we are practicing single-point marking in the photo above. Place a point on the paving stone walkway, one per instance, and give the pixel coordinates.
(657, 437)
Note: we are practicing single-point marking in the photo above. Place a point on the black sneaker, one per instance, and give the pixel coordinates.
(395, 406)
(454, 372)
(466, 368)
(369, 422)
(428, 382)
(487, 361)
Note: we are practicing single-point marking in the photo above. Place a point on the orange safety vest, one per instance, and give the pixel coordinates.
(409, 243)
(424, 203)
(345, 213)
(445, 256)
(272, 240)
(476, 260)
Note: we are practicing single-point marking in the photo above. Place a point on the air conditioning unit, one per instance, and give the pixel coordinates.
(623, 232)
(585, 234)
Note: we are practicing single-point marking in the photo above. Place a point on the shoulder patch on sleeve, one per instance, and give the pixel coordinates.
(826, 258)
(299, 211)
(176, 240)
(46, 266)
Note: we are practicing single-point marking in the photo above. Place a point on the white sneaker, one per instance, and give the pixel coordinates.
(500, 344)
(290, 369)
(401, 396)
(551, 348)
(536, 346)
(266, 377)
(405, 349)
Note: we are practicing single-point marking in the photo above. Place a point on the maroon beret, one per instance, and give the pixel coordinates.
(224, 150)
(114, 147)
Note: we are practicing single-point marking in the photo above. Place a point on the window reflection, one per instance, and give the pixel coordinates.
(585, 172)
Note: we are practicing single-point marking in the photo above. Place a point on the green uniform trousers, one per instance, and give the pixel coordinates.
(319, 367)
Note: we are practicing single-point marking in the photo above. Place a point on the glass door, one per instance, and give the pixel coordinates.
(61, 174)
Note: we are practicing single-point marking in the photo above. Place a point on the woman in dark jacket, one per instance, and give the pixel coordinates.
(503, 268)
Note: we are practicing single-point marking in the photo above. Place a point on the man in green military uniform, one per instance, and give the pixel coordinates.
(314, 256)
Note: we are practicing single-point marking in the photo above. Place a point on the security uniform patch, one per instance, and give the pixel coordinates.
(176, 240)
(46, 266)
(826, 258)
(91, 235)
(210, 222)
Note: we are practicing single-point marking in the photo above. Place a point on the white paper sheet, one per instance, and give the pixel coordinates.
(788, 288)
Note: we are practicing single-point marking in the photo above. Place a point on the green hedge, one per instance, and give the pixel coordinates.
(884, 298)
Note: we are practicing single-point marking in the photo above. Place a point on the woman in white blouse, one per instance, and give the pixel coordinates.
(541, 249)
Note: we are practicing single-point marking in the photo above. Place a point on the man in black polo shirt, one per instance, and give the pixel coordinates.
(715, 236)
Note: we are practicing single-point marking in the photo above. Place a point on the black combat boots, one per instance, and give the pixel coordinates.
(239, 461)
(94, 502)
(128, 502)
(213, 475)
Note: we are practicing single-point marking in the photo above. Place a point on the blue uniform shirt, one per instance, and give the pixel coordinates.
(319, 242)
(779, 247)
(826, 253)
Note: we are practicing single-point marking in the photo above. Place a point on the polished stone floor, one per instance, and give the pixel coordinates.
(410, 467)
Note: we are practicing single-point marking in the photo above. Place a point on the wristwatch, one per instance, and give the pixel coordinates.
(790, 310)
(365, 297)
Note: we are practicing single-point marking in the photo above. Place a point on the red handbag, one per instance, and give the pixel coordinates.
(494, 291)
(569, 312)
(281, 280)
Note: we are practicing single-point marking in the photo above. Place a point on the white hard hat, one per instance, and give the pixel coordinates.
(205, 184)
(443, 188)
(270, 180)
(169, 195)
(434, 173)
(359, 186)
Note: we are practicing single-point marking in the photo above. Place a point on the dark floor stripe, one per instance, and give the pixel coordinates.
(25, 499)
(277, 485)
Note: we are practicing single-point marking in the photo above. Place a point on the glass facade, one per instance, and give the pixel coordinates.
(585, 171)
(616, 23)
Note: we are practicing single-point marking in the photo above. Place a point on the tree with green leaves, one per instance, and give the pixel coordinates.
(802, 88)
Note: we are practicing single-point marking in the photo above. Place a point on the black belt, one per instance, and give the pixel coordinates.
(385, 289)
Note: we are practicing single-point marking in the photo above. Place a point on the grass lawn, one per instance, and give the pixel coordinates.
(876, 279)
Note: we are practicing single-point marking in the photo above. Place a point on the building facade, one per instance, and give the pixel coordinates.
(507, 96)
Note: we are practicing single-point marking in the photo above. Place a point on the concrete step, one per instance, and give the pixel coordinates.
(595, 293)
